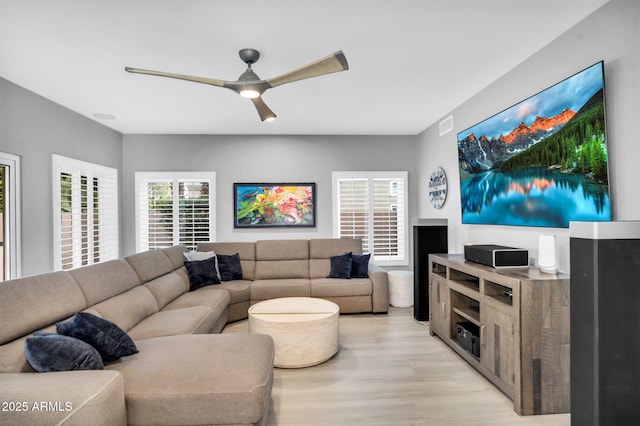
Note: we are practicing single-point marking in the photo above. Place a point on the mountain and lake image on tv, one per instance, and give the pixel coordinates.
(542, 162)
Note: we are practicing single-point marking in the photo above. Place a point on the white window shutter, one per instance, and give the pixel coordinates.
(353, 210)
(174, 208)
(195, 212)
(157, 214)
(372, 206)
(85, 213)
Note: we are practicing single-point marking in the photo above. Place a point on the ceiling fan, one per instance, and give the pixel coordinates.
(249, 84)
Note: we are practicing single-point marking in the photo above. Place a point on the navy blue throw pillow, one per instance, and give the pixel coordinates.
(340, 266)
(202, 273)
(229, 267)
(55, 352)
(110, 341)
(360, 265)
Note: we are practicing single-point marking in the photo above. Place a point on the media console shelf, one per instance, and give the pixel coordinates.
(523, 320)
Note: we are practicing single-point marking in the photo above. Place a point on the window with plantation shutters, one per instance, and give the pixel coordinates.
(85, 221)
(174, 208)
(373, 206)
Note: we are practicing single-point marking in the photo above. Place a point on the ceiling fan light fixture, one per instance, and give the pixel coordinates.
(249, 93)
(248, 80)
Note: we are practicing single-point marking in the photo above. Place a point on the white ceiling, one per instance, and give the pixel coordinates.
(411, 61)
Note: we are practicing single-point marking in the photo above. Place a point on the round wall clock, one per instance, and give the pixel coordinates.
(438, 188)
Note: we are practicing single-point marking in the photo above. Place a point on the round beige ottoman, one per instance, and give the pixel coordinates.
(305, 330)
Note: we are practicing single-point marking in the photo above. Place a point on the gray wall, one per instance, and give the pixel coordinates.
(35, 128)
(612, 34)
(263, 159)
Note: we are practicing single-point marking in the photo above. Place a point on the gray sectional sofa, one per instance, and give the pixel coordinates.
(184, 372)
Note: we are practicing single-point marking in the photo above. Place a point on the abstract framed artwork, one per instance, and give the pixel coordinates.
(260, 205)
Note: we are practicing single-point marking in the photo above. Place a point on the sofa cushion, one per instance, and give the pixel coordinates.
(202, 273)
(54, 352)
(332, 287)
(167, 382)
(129, 308)
(323, 248)
(229, 267)
(320, 250)
(80, 398)
(275, 269)
(212, 297)
(271, 289)
(282, 259)
(152, 264)
(28, 304)
(167, 287)
(195, 320)
(190, 256)
(340, 266)
(247, 251)
(103, 280)
(239, 290)
(175, 254)
(282, 250)
(111, 341)
(360, 265)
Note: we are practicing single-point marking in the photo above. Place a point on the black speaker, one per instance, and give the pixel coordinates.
(605, 323)
(429, 236)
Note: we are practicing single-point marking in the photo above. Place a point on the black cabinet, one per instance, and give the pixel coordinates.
(605, 323)
(429, 236)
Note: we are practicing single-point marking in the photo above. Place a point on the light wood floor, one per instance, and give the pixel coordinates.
(389, 371)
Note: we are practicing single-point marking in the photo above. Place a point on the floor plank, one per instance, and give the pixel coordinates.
(389, 372)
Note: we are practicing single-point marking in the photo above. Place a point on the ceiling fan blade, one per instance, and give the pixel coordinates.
(263, 110)
(211, 81)
(333, 63)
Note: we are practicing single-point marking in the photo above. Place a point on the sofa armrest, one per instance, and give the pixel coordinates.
(68, 397)
(380, 296)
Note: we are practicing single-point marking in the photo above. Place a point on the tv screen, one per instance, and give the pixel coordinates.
(541, 162)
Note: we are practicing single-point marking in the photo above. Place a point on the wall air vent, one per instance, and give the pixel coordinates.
(446, 125)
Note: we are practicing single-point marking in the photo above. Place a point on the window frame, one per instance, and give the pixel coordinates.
(174, 177)
(108, 219)
(12, 220)
(403, 217)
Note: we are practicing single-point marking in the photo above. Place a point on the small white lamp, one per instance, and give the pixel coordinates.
(547, 254)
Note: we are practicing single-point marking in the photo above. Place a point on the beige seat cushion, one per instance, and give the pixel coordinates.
(72, 398)
(334, 287)
(271, 289)
(239, 290)
(199, 379)
(194, 320)
(213, 297)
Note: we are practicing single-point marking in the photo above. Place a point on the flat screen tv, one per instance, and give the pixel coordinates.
(543, 161)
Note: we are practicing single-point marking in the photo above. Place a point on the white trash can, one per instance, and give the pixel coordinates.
(400, 288)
